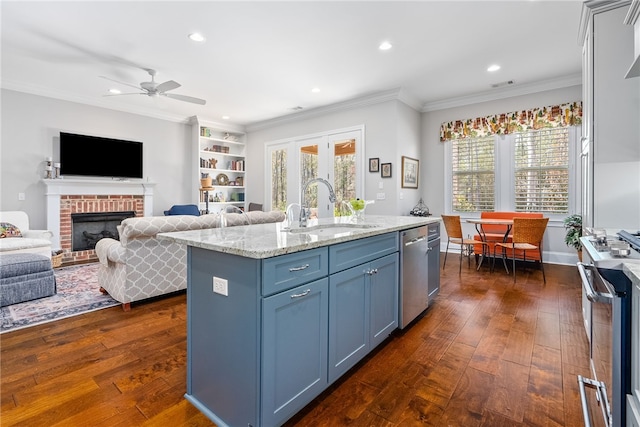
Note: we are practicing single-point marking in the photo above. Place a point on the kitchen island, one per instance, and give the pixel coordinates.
(275, 315)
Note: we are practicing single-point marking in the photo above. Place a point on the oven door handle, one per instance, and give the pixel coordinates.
(601, 396)
(592, 294)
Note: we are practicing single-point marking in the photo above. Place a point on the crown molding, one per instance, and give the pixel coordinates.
(504, 92)
(397, 94)
(634, 13)
(591, 7)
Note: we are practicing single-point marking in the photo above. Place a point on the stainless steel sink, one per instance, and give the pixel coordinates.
(331, 229)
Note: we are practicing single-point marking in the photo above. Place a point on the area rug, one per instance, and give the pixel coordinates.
(77, 292)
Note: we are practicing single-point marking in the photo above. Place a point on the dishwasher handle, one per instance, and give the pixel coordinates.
(414, 241)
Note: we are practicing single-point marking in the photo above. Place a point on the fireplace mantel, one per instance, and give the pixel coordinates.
(56, 188)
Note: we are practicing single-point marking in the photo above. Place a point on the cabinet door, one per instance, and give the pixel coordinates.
(348, 319)
(294, 350)
(383, 291)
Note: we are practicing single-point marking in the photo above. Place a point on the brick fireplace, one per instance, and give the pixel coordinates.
(67, 197)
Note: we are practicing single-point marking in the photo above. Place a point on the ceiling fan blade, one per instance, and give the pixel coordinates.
(185, 98)
(122, 83)
(130, 93)
(167, 86)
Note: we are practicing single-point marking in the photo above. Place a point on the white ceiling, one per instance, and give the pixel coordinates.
(261, 59)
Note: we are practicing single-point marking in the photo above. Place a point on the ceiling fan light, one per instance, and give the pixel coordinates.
(197, 37)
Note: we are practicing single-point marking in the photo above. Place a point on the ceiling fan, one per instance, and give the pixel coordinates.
(155, 89)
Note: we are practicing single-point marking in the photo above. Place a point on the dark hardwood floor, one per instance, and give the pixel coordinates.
(487, 352)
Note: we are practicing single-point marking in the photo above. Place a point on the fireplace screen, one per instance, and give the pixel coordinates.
(88, 228)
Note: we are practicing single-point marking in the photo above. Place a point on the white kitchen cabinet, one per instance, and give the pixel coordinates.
(219, 152)
(611, 107)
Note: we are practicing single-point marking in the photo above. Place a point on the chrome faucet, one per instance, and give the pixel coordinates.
(305, 211)
(231, 209)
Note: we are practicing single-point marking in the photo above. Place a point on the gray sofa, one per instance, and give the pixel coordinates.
(141, 266)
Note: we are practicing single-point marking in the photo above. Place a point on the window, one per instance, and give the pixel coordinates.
(279, 179)
(531, 171)
(473, 178)
(541, 176)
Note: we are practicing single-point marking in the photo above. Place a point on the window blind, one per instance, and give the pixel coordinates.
(542, 170)
(473, 174)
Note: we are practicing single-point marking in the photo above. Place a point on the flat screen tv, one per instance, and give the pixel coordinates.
(84, 155)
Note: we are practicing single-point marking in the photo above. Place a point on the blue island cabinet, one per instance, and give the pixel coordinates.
(258, 355)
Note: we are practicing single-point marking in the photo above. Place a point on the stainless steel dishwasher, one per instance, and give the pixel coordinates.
(420, 250)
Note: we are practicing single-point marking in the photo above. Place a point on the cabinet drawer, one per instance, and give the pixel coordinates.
(349, 254)
(286, 271)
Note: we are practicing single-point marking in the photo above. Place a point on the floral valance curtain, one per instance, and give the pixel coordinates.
(518, 121)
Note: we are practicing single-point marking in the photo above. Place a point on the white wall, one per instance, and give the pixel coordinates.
(433, 156)
(30, 128)
(391, 130)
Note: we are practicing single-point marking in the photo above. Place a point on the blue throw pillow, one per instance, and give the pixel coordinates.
(183, 210)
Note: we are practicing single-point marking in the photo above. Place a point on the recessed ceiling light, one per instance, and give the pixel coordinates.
(315, 90)
(226, 117)
(197, 37)
(493, 68)
(385, 46)
(115, 91)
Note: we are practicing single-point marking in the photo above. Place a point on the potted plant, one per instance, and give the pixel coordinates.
(573, 227)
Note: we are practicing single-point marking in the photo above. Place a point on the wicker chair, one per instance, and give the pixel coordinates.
(527, 235)
(454, 235)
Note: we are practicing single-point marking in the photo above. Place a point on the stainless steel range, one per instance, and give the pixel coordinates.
(607, 317)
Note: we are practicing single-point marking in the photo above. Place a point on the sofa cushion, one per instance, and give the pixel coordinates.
(22, 243)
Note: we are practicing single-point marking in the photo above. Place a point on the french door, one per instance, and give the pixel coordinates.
(336, 157)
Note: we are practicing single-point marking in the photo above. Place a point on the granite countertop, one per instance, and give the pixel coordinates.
(269, 240)
(632, 271)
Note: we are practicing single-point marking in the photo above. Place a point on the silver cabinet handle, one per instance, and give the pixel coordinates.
(302, 267)
(304, 294)
(371, 272)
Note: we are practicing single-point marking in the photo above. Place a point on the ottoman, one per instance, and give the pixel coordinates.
(24, 277)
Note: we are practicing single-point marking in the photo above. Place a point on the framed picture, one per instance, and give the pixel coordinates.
(385, 172)
(374, 164)
(410, 169)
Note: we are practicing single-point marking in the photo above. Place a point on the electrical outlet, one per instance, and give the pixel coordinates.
(21, 196)
(220, 286)
(380, 196)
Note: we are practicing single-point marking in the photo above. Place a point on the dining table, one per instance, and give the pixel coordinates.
(480, 222)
